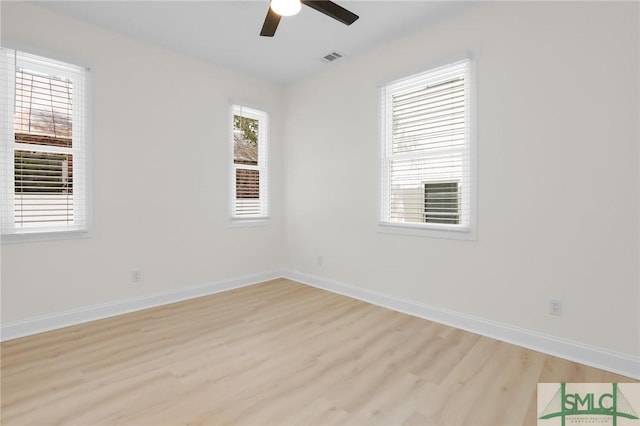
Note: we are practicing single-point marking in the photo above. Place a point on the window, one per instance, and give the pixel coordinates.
(441, 203)
(44, 170)
(249, 167)
(427, 153)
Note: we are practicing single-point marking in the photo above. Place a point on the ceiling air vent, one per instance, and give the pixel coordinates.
(331, 57)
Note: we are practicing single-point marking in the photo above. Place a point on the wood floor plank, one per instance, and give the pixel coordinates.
(276, 353)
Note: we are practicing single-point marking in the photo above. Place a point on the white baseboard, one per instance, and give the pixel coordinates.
(13, 330)
(604, 359)
(601, 358)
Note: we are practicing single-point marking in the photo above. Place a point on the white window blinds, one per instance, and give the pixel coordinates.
(249, 166)
(44, 185)
(426, 155)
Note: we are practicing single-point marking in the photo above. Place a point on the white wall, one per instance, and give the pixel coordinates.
(160, 148)
(558, 173)
(558, 132)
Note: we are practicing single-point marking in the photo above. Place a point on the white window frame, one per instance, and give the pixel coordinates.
(262, 217)
(467, 229)
(81, 227)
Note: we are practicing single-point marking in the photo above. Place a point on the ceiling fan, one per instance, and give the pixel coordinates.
(280, 8)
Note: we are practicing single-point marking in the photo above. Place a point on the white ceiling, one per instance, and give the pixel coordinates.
(227, 32)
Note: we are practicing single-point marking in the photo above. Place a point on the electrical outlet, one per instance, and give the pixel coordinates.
(136, 276)
(555, 307)
(320, 260)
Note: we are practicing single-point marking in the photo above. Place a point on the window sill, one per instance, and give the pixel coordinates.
(249, 222)
(38, 236)
(417, 230)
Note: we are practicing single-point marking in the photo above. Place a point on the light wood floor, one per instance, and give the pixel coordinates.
(278, 353)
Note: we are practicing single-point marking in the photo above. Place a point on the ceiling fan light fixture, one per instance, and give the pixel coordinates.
(286, 7)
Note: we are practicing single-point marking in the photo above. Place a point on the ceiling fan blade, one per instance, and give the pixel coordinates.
(333, 10)
(270, 24)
